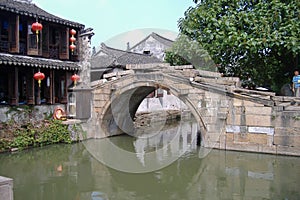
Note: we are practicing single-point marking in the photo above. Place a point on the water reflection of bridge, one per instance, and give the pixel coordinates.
(220, 175)
(167, 141)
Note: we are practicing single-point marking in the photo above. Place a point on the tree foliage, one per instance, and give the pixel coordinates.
(185, 51)
(255, 39)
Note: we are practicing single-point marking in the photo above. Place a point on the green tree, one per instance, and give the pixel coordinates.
(257, 39)
(185, 51)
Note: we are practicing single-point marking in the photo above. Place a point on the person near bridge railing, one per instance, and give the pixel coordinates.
(296, 83)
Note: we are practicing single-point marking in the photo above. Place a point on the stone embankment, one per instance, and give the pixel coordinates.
(143, 119)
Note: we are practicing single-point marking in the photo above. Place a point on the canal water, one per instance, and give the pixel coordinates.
(166, 164)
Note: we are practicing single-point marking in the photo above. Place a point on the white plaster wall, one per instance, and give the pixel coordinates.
(167, 102)
(156, 48)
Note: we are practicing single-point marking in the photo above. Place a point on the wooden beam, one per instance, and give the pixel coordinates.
(17, 33)
(15, 99)
(30, 88)
(51, 86)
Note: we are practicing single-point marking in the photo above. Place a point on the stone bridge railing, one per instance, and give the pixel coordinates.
(229, 116)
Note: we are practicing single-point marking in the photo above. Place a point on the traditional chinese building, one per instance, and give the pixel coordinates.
(109, 59)
(154, 45)
(31, 41)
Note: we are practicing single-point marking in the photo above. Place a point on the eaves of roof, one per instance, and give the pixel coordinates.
(31, 10)
(100, 62)
(115, 53)
(167, 42)
(18, 60)
(134, 58)
(116, 57)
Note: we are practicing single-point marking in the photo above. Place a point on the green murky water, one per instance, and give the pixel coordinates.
(73, 172)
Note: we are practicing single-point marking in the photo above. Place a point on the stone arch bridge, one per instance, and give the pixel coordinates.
(229, 116)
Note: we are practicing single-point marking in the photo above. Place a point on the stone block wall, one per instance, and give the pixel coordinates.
(287, 132)
(258, 128)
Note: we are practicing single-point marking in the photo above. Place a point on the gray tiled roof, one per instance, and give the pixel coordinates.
(31, 10)
(9, 59)
(165, 41)
(108, 57)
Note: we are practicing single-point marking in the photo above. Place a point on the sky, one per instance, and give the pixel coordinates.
(116, 22)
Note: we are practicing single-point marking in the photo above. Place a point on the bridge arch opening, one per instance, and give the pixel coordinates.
(120, 112)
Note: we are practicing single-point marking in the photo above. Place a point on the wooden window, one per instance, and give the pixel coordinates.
(63, 88)
(14, 34)
(54, 42)
(45, 43)
(146, 52)
(32, 47)
(4, 29)
(22, 36)
(4, 24)
(63, 48)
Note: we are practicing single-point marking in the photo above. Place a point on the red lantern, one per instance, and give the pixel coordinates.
(72, 32)
(39, 77)
(72, 39)
(36, 27)
(72, 47)
(75, 78)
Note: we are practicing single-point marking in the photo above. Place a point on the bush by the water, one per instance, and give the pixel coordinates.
(39, 133)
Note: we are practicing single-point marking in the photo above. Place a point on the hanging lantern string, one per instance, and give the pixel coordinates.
(37, 37)
(37, 40)
(36, 26)
(72, 40)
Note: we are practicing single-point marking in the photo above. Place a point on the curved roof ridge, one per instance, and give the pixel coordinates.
(27, 8)
(103, 45)
(162, 37)
(156, 36)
